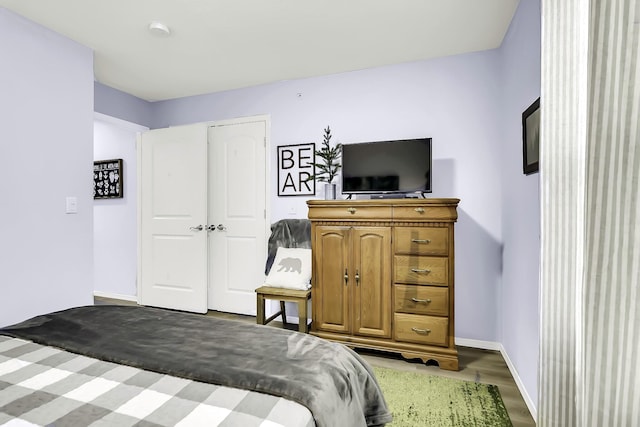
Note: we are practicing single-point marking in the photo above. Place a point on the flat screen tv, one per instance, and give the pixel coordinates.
(387, 167)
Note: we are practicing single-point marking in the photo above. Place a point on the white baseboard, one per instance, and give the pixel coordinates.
(523, 391)
(485, 345)
(123, 297)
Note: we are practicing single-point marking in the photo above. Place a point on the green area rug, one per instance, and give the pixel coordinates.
(418, 399)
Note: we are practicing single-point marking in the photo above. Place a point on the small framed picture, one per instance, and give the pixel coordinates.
(531, 138)
(107, 179)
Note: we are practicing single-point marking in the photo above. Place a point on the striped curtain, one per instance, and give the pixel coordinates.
(590, 186)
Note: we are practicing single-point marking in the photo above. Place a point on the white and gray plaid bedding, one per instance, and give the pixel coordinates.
(46, 386)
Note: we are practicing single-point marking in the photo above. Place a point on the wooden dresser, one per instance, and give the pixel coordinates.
(383, 275)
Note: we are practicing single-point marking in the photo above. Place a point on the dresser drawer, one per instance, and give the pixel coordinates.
(421, 329)
(421, 300)
(421, 270)
(421, 240)
(424, 213)
(350, 213)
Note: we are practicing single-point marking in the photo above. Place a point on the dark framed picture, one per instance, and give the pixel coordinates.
(295, 169)
(531, 138)
(107, 179)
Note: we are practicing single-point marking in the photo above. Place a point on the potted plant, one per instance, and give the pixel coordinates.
(327, 169)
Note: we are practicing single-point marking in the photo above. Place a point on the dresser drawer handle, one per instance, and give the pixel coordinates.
(419, 210)
(421, 331)
(426, 301)
(418, 270)
(351, 210)
(426, 241)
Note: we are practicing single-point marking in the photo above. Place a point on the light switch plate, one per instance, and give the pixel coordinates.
(72, 205)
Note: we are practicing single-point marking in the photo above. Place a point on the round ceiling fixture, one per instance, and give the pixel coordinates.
(159, 29)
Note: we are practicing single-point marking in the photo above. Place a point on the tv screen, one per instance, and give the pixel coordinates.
(382, 167)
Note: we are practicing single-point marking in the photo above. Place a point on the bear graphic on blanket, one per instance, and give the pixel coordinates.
(290, 265)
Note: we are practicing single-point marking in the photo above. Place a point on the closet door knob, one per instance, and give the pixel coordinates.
(197, 228)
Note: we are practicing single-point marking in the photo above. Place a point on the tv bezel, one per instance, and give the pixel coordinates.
(391, 192)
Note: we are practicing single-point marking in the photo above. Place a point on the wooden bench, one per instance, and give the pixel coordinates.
(283, 294)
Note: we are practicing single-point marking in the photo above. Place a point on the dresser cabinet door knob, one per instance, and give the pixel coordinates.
(351, 210)
(421, 331)
(418, 270)
(419, 210)
(426, 301)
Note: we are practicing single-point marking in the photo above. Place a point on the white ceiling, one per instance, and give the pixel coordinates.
(218, 45)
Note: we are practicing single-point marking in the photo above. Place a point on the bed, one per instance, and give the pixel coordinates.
(130, 365)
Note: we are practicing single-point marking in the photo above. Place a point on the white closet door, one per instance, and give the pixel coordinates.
(172, 217)
(237, 207)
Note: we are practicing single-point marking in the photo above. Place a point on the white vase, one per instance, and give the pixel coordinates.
(329, 191)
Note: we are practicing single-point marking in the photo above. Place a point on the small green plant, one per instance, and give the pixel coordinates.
(328, 168)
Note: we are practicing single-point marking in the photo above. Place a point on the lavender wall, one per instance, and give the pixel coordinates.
(46, 115)
(118, 104)
(454, 100)
(115, 220)
(520, 200)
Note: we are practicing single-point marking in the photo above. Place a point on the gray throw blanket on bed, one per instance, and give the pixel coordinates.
(328, 378)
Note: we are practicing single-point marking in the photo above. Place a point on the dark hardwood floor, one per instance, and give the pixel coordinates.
(483, 366)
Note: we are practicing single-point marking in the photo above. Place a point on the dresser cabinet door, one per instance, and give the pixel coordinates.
(371, 271)
(330, 287)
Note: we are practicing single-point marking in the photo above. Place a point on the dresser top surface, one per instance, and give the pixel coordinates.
(384, 202)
